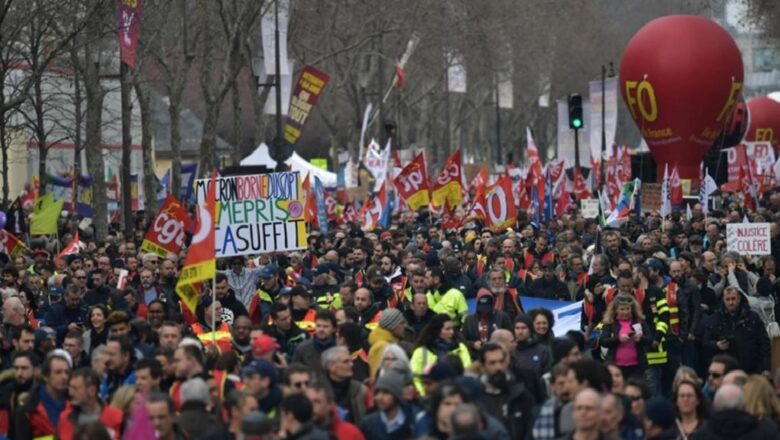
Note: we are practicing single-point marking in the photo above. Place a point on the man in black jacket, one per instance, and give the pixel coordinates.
(69, 315)
(232, 308)
(549, 286)
(738, 331)
(505, 398)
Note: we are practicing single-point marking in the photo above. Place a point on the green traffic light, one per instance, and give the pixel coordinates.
(577, 123)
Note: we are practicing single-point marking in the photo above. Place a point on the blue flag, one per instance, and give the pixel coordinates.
(322, 210)
(548, 196)
(537, 221)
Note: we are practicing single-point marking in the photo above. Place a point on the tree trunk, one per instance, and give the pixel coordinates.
(93, 145)
(237, 122)
(209, 140)
(149, 179)
(173, 113)
(128, 217)
(4, 147)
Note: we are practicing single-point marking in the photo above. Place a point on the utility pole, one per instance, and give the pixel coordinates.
(127, 143)
(498, 121)
(281, 153)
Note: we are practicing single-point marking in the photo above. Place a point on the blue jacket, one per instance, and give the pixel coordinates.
(373, 427)
(59, 317)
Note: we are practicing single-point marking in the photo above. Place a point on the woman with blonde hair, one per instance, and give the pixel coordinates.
(625, 335)
(760, 399)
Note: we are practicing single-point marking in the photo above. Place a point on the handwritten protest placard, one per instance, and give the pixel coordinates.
(257, 214)
(749, 238)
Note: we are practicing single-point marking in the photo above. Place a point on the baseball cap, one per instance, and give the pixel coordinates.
(654, 263)
(264, 344)
(261, 367)
(269, 271)
(56, 291)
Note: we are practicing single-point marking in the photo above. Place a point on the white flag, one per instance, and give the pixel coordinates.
(706, 187)
(456, 74)
(666, 197)
(267, 29)
(688, 213)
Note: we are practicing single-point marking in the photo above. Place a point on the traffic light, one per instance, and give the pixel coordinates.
(575, 111)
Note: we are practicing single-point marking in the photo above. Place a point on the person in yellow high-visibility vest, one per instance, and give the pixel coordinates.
(437, 340)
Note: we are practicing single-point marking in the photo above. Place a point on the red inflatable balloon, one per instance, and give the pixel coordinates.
(764, 121)
(680, 77)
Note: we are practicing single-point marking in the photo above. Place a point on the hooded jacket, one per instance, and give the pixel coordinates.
(378, 339)
(494, 319)
(232, 308)
(748, 340)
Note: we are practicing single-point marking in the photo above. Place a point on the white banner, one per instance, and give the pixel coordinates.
(590, 208)
(566, 134)
(456, 74)
(610, 115)
(749, 238)
(377, 162)
(267, 29)
(505, 91)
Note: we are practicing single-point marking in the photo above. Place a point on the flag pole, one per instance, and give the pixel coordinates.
(213, 311)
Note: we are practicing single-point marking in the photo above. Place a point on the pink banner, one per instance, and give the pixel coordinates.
(128, 16)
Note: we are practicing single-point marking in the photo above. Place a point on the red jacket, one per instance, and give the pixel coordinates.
(110, 417)
(343, 430)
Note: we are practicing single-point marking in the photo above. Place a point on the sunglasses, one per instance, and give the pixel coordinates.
(300, 385)
(714, 375)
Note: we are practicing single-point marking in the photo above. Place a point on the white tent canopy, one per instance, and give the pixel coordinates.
(261, 156)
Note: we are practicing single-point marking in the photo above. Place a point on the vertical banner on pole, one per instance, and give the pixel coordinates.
(128, 16)
(610, 115)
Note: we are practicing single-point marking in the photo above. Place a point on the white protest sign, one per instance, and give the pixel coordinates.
(257, 214)
(748, 238)
(590, 208)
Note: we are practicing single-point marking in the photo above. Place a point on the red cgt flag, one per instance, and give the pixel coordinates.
(167, 231)
(500, 212)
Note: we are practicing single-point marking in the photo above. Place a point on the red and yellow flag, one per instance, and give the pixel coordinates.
(11, 244)
(412, 184)
(201, 262)
(448, 185)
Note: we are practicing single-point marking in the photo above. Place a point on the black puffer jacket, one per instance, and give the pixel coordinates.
(748, 341)
(734, 424)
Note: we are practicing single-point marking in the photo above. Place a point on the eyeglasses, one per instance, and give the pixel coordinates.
(715, 374)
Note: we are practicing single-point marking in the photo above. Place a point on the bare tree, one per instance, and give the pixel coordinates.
(223, 29)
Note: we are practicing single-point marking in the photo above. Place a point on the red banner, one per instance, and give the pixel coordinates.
(412, 183)
(500, 212)
(307, 90)
(166, 233)
(128, 17)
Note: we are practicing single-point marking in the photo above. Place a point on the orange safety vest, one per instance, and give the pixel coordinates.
(674, 308)
(480, 269)
(222, 337)
(515, 300)
(111, 418)
(530, 258)
(308, 323)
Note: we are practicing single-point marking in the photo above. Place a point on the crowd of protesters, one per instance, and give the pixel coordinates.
(369, 335)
